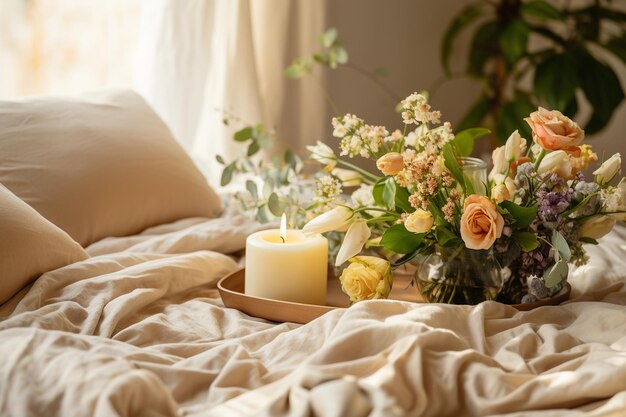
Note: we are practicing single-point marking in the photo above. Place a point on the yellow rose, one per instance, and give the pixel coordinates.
(366, 278)
(554, 131)
(390, 164)
(481, 224)
(420, 221)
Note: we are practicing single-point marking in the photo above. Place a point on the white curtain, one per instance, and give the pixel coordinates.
(199, 58)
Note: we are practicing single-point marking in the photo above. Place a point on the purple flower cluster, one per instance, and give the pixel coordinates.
(551, 204)
(534, 263)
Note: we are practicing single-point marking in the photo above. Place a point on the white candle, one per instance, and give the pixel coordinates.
(292, 267)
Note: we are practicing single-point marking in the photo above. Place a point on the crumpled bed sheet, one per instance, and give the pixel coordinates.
(139, 330)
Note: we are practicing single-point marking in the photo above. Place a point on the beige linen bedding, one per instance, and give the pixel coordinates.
(139, 330)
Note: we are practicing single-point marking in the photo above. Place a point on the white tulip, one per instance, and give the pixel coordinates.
(323, 154)
(348, 177)
(357, 235)
(500, 164)
(597, 226)
(337, 219)
(515, 147)
(608, 169)
(558, 162)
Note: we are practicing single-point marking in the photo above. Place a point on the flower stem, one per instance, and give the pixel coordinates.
(539, 159)
(358, 169)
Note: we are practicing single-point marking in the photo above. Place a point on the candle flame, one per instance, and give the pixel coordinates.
(283, 228)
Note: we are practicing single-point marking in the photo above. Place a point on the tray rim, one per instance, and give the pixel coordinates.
(252, 305)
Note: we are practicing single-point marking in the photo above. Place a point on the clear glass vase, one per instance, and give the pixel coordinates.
(475, 170)
(459, 276)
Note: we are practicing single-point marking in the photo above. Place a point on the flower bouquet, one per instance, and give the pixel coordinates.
(507, 236)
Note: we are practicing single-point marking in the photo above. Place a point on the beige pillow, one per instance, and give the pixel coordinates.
(98, 165)
(29, 245)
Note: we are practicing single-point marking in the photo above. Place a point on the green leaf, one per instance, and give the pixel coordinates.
(293, 160)
(483, 48)
(548, 34)
(462, 20)
(514, 41)
(436, 212)
(252, 189)
(588, 240)
(527, 240)
(556, 80)
(273, 203)
(556, 274)
(341, 55)
(386, 193)
(560, 244)
(475, 114)
(541, 10)
(389, 194)
(243, 134)
(402, 200)
(327, 38)
(523, 216)
(253, 148)
(445, 237)
(406, 258)
(601, 87)
(227, 174)
(400, 240)
(452, 164)
(263, 214)
(220, 159)
(463, 141)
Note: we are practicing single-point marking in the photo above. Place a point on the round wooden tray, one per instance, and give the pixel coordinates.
(231, 289)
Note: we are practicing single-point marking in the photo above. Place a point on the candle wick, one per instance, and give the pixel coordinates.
(283, 239)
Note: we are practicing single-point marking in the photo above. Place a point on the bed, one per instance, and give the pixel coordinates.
(136, 328)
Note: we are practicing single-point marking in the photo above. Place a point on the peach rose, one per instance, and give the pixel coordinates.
(390, 164)
(554, 131)
(481, 224)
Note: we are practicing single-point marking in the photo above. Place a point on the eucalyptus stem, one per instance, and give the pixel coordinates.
(392, 94)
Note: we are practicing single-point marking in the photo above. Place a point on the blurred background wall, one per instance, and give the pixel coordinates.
(68, 46)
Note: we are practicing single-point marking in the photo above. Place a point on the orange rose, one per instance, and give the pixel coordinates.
(554, 131)
(481, 224)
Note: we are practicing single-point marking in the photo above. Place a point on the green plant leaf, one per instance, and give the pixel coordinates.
(293, 160)
(556, 79)
(514, 41)
(601, 87)
(526, 240)
(275, 206)
(541, 10)
(263, 214)
(404, 259)
(548, 34)
(400, 240)
(252, 189)
(328, 38)
(402, 200)
(219, 159)
(556, 274)
(462, 20)
(560, 244)
(445, 237)
(227, 174)
(483, 47)
(253, 148)
(243, 134)
(475, 114)
(588, 240)
(452, 164)
(523, 216)
(389, 194)
(463, 141)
